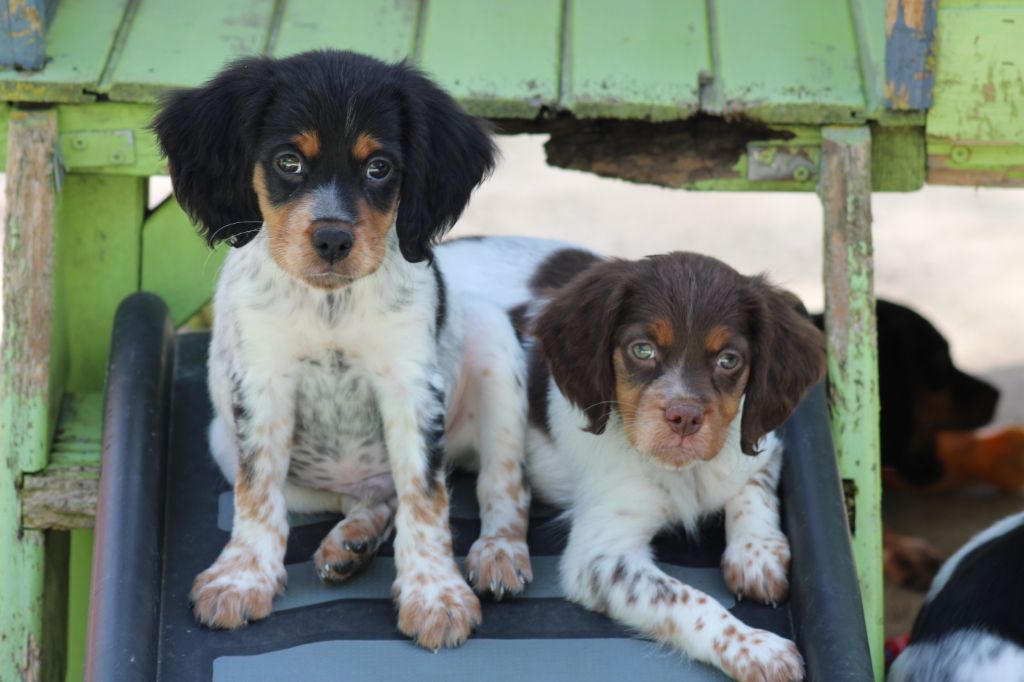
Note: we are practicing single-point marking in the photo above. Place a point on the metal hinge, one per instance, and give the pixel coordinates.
(768, 161)
(90, 149)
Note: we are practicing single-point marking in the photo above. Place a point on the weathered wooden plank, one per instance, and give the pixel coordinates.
(909, 54)
(78, 41)
(868, 22)
(640, 59)
(176, 264)
(23, 36)
(183, 43)
(100, 229)
(498, 58)
(975, 130)
(897, 158)
(788, 61)
(25, 380)
(386, 30)
(79, 583)
(853, 354)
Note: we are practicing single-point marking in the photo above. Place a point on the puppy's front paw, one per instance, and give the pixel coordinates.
(234, 591)
(436, 611)
(346, 550)
(757, 566)
(498, 565)
(758, 656)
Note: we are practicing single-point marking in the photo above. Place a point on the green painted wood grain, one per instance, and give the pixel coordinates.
(498, 58)
(386, 30)
(79, 580)
(78, 41)
(183, 43)
(176, 263)
(641, 59)
(789, 61)
(978, 74)
(99, 222)
(115, 116)
(850, 328)
(26, 382)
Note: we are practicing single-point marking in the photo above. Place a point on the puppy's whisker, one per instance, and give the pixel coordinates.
(209, 255)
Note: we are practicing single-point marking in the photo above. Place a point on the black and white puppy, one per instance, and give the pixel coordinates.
(655, 387)
(971, 628)
(341, 370)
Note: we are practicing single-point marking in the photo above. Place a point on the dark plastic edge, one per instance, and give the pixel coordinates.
(124, 603)
(828, 616)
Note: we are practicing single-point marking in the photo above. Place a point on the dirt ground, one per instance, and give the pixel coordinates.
(953, 253)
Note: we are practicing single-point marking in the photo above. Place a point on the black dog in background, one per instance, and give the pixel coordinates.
(921, 394)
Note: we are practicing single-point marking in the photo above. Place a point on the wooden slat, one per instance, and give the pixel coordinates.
(499, 58)
(78, 42)
(26, 383)
(183, 43)
(850, 327)
(99, 227)
(386, 30)
(789, 61)
(641, 59)
(979, 69)
(909, 54)
(176, 263)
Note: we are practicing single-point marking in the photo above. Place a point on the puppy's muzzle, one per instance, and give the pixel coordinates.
(333, 242)
(683, 417)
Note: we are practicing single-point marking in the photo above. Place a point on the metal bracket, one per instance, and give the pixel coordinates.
(91, 149)
(766, 161)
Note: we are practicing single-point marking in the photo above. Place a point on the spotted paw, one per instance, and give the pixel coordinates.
(758, 656)
(436, 611)
(346, 550)
(757, 567)
(235, 591)
(499, 566)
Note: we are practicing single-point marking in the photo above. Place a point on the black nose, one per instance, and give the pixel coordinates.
(332, 243)
(684, 418)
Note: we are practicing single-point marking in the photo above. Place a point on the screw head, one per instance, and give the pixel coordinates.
(117, 157)
(960, 154)
(79, 143)
(801, 173)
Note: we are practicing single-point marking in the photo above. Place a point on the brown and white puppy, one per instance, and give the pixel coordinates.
(667, 377)
(340, 367)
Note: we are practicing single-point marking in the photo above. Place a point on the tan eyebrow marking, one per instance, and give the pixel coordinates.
(365, 145)
(716, 338)
(308, 143)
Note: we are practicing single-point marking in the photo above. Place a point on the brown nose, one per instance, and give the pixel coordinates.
(684, 418)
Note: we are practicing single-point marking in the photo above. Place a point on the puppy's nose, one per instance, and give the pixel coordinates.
(332, 243)
(684, 418)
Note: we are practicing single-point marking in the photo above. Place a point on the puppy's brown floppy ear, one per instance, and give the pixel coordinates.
(788, 358)
(575, 332)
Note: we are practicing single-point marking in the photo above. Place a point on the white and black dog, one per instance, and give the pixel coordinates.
(655, 386)
(971, 626)
(342, 371)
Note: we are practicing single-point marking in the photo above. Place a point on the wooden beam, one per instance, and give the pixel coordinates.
(26, 384)
(850, 326)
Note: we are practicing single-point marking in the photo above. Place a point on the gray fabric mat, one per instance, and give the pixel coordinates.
(305, 588)
(493, 660)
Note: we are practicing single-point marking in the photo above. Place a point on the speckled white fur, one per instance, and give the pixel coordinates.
(329, 396)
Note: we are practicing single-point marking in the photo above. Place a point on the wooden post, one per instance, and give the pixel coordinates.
(845, 190)
(27, 388)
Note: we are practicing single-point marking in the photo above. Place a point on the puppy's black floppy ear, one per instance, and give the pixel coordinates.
(576, 334)
(788, 358)
(208, 135)
(447, 154)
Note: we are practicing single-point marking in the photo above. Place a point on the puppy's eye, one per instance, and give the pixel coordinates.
(378, 169)
(289, 163)
(728, 360)
(641, 350)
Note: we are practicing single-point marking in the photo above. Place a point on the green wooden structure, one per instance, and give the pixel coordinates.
(837, 96)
